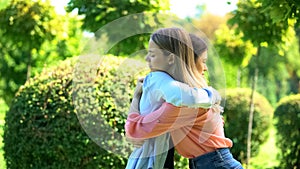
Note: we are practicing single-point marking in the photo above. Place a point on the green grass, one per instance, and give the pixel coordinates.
(267, 157)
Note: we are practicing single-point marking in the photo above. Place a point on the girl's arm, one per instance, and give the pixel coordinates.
(163, 86)
(181, 94)
(165, 119)
(134, 107)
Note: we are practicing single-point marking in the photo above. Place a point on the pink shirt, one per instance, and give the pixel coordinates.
(194, 131)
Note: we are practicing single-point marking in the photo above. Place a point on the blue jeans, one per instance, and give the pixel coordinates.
(219, 159)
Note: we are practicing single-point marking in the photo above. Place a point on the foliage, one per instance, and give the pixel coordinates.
(282, 10)
(31, 33)
(42, 124)
(273, 73)
(22, 31)
(278, 73)
(236, 116)
(209, 23)
(3, 110)
(293, 63)
(180, 161)
(250, 23)
(232, 48)
(287, 116)
(67, 43)
(239, 65)
(4, 4)
(99, 13)
(234, 53)
(256, 25)
(270, 24)
(59, 126)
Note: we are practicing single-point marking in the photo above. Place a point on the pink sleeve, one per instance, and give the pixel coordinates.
(167, 118)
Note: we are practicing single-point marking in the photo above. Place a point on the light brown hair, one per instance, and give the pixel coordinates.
(178, 42)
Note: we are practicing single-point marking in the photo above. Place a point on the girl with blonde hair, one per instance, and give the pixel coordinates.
(173, 79)
(197, 133)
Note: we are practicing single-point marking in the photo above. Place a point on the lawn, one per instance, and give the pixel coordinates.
(267, 157)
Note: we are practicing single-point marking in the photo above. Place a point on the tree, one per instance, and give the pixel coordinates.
(281, 11)
(286, 11)
(293, 65)
(25, 27)
(99, 13)
(287, 123)
(209, 23)
(235, 52)
(259, 28)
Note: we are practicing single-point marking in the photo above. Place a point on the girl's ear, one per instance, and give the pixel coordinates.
(171, 59)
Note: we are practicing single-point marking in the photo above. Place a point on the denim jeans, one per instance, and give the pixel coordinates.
(219, 159)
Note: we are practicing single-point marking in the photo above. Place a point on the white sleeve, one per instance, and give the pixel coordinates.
(181, 94)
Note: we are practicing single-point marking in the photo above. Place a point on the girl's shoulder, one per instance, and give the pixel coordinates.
(157, 77)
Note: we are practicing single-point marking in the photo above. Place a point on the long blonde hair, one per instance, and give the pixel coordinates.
(177, 41)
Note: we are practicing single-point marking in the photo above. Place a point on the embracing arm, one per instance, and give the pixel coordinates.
(181, 94)
(167, 118)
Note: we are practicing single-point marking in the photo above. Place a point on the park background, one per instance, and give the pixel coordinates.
(257, 42)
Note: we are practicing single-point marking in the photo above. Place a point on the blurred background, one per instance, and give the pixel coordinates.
(257, 43)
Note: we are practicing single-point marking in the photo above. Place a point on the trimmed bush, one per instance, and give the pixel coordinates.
(236, 116)
(50, 125)
(287, 123)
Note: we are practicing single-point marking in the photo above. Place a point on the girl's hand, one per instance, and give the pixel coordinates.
(134, 106)
(138, 89)
(216, 101)
(217, 108)
(216, 97)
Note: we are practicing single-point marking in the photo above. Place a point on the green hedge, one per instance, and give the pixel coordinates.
(236, 116)
(44, 126)
(287, 122)
(72, 116)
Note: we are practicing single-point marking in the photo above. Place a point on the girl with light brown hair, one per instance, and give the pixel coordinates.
(197, 133)
(173, 79)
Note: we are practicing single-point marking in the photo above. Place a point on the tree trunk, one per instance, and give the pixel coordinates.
(250, 123)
